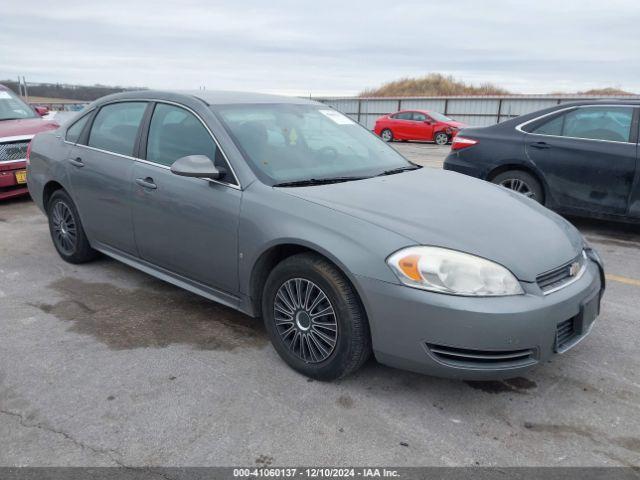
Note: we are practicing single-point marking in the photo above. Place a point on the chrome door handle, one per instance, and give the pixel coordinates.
(146, 183)
(76, 162)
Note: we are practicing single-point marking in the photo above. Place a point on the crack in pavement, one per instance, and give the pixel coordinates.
(98, 451)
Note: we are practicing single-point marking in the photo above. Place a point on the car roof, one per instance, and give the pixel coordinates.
(600, 101)
(209, 97)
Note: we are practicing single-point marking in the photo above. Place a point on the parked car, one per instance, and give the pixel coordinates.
(579, 158)
(286, 209)
(18, 124)
(417, 125)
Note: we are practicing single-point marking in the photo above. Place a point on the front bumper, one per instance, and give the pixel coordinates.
(9, 186)
(500, 337)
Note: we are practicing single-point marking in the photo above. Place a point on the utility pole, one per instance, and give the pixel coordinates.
(26, 92)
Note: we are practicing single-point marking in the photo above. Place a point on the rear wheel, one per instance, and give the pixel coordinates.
(314, 318)
(441, 138)
(66, 229)
(521, 182)
(386, 135)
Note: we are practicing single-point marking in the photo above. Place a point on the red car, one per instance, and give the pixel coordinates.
(417, 125)
(18, 124)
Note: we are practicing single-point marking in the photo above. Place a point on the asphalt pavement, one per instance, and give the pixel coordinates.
(103, 365)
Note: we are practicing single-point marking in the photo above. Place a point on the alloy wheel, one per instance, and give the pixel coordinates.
(65, 232)
(305, 320)
(519, 186)
(442, 139)
(387, 135)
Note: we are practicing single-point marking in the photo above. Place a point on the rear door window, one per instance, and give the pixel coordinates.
(593, 123)
(115, 127)
(404, 116)
(599, 123)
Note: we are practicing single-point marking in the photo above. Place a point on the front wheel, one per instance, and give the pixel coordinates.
(66, 229)
(386, 135)
(441, 138)
(521, 182)
(314, 318)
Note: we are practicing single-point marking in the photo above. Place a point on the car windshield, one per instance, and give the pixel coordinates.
(288, 143)
(440, 117)
(13, 108)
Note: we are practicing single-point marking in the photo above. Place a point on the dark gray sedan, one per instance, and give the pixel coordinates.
(287, 210)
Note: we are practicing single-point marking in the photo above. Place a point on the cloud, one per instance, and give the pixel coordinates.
(322, 47)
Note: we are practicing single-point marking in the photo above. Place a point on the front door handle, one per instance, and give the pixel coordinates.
(540, 145)
(76, 162)
(146, 183)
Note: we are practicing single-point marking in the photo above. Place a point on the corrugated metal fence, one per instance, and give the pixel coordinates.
(476, 111)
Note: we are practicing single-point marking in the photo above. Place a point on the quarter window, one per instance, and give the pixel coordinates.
(552, 127)
(73, 133)
(116, 126)
(175, 133)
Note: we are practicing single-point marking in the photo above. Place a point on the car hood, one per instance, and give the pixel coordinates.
(24, 127)
(447, 209)
(457, 124)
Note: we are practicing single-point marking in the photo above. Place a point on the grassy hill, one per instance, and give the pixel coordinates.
(434, 84)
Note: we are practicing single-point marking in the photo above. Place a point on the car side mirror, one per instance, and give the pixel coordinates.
(42, 111)
(199, 166)
(428, 122)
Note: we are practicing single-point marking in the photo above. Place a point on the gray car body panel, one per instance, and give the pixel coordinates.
(225, 230)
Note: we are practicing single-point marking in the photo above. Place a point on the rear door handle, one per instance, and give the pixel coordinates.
(540, 145)
(76, 162)
(146, 183)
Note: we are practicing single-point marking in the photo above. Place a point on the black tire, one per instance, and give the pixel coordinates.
(353, 343)
(386, 135)
(67, 234)
(441, 138)
(521, 182)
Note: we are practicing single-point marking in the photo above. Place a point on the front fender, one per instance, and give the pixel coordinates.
(270, 217)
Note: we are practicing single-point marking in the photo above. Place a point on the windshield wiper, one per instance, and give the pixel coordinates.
(15, 118)
(393, 171)
(317, 181)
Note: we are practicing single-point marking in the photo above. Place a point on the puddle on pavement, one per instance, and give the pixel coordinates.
(157, 315)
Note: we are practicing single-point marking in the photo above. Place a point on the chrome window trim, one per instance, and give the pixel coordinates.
(147, 162)
(521, 125)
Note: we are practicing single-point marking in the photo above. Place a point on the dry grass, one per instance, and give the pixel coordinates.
(434, 84)
(606, 91)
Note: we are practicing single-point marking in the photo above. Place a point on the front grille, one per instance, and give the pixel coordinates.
(464, 357)
(565, 332)
(13, 150)
(554, 279)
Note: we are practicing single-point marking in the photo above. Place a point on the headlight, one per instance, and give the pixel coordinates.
(449, 271)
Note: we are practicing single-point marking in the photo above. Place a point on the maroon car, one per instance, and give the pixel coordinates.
(18, 124)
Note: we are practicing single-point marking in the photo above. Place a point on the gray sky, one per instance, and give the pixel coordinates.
(322, 47)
